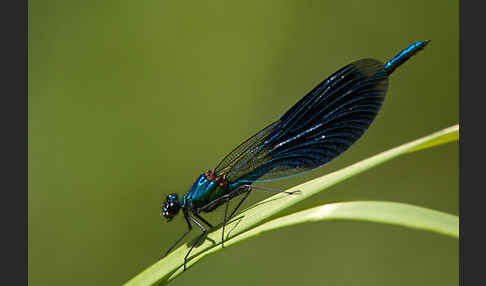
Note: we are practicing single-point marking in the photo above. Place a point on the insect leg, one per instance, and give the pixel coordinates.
(247, 193)
(232, 213)
(228, 197)
(270, 190)
(203, 220)
(224, 221)
(203, 229)
(189, 227)
(223, 198)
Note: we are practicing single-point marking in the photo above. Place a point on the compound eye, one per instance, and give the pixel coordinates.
(171, 197)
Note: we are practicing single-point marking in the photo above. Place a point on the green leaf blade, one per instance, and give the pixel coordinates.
(370, 211)
(170, 267)
(391, 213)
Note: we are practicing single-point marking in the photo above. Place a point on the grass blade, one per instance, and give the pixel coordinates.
(370, 211)
(170, 267)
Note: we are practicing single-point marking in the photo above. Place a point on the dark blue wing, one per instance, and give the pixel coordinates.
(319, 127)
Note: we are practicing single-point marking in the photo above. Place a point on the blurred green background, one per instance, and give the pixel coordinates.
(129, 101)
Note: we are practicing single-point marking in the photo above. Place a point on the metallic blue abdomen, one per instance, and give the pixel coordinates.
(404, 55)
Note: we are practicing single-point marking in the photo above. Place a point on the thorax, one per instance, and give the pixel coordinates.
(205, 189)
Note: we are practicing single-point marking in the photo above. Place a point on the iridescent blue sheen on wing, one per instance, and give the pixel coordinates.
(319, 127)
